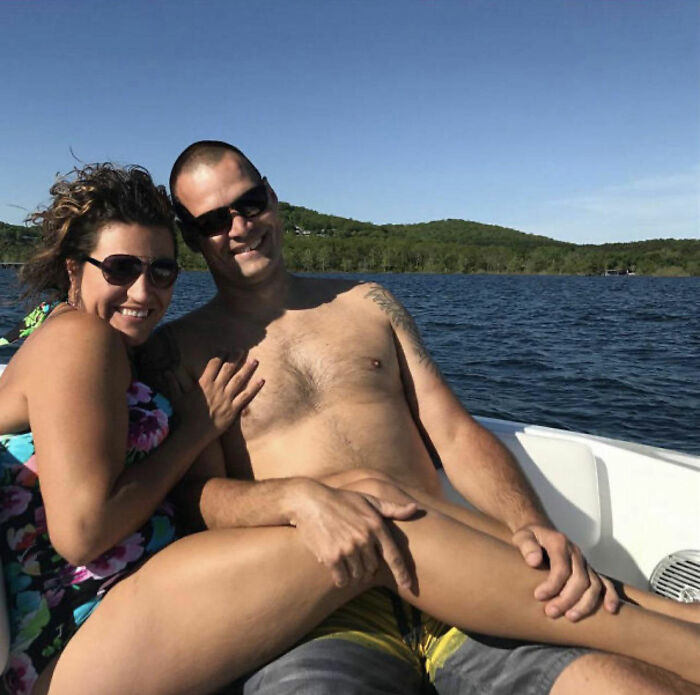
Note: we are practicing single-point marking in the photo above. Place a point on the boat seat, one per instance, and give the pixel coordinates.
(565, 476)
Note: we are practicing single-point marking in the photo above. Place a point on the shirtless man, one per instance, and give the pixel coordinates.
(348, 385)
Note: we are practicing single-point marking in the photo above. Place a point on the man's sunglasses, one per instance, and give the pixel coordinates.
(218, 221)
(123, 269)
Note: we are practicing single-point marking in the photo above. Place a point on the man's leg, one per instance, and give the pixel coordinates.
(607, 673)
(332, 666)
(478, 664)
(460, 664)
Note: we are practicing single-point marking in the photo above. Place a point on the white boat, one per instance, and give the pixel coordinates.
(633, 509)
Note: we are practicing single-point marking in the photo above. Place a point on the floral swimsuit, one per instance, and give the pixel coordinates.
(48, 598)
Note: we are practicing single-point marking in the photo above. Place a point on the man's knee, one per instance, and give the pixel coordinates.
(617, 675)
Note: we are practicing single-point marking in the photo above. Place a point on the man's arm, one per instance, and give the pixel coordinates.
(486, 473)
(477, 464)
(343, 529)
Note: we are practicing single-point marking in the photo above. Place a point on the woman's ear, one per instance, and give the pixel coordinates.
(75, 273)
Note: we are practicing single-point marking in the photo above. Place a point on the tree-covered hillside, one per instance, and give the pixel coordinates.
(314, 241)
(318, 242)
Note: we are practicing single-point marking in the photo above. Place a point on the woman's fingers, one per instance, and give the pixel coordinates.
(242, 399)
(236, 378)
(228, 368)
(220, 367)
(240, 389)
(231, 390)
(211, 370)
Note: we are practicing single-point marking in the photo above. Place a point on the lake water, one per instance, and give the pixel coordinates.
(615, 356)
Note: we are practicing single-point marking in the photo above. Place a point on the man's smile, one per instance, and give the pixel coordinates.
(250, 247)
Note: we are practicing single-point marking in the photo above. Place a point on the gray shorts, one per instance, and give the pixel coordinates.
(361, 653)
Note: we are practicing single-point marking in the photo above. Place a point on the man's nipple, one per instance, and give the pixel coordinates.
(376, 363)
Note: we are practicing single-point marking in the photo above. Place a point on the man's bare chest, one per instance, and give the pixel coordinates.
(310, 363)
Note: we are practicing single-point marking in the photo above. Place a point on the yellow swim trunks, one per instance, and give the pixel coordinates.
(380, 620)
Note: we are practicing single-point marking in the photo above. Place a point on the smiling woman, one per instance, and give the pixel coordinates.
(134, 289)
(73, 422)
(84, 206)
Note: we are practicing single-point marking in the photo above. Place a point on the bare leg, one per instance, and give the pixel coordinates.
(216, 604)
(496, 598)
(198, 614)
(492, 527)
(490, 591)
(615, 675)
(488, 525)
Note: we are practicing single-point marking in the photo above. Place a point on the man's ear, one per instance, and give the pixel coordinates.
(272, 194)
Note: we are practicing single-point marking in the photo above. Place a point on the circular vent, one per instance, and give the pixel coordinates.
(677, 576)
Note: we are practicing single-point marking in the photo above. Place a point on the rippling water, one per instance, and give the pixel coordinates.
(615, 356)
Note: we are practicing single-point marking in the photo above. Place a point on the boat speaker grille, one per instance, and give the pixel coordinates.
(677, 576)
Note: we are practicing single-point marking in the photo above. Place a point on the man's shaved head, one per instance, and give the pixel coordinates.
(209, 153)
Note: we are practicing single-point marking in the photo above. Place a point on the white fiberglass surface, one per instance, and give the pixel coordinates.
(648, 499)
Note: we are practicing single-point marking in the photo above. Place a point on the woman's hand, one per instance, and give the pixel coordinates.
(209, 406)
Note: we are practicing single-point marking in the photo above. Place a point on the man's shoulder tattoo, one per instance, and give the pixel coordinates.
(402, 320)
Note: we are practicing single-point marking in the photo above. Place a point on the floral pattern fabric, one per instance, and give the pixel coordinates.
(29, 323)
(48, 598)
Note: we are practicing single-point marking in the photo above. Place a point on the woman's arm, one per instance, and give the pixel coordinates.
(78, 415)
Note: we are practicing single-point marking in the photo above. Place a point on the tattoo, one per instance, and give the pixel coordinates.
(402, 320)
(158, 356)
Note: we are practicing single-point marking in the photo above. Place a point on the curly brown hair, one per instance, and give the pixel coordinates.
(84, 201)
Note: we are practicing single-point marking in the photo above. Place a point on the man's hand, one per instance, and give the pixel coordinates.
(346, 532)
(572, 588)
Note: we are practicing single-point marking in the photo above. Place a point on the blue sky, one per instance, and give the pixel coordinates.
(576, 119)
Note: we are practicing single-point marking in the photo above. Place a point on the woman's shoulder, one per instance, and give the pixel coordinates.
(74, 327)
(74, 338)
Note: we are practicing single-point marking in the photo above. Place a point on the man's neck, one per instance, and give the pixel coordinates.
(259, 301)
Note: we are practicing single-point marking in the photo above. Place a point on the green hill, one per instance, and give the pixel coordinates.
(442, 231)
(320, 242)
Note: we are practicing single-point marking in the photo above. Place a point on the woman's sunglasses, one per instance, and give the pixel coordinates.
(218, 221)
(123, 269)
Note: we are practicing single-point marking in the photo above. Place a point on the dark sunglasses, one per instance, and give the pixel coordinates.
(123, 269)
(250, 204)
